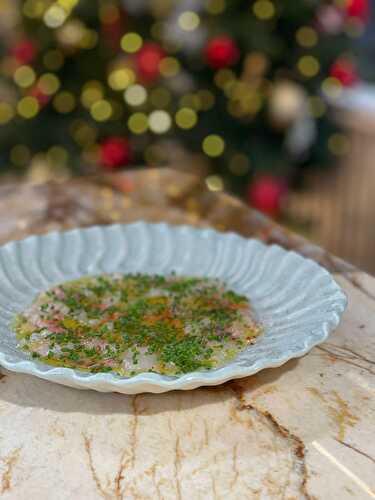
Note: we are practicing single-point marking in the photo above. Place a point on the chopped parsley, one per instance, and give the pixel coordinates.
(135, 323)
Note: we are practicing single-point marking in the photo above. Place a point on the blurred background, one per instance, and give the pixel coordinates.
(271, 100)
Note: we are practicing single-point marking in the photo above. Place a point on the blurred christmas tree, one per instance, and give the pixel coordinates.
(103, 83)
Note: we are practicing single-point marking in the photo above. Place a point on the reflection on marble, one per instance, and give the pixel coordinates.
(301, 431)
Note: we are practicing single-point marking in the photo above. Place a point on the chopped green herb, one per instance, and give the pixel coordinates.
(137, 323)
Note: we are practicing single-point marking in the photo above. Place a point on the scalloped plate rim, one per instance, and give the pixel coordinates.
(152, 382)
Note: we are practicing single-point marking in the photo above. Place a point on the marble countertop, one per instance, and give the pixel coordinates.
(301, 431)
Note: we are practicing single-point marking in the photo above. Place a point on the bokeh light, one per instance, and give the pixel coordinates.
(28, 107)
(159, 121)
(135, 95)
(213, 145)
(186, 118)
(131, 42)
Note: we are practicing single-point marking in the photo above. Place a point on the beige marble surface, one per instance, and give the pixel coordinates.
(302, 431)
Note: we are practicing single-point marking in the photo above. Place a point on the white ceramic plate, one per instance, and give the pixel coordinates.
(296, 300)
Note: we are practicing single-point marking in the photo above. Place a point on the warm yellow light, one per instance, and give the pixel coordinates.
(121, 78)
(186, 118)
(308, 66)
(101, 110)
(138, 123)
(159, 122)
(188, 20)
(20, 155)
(6, 112)
(135, 95)
(169, 66)
(332, 87)
(239, 164)
(49, 83)
(55, 16)
(28, 107)
(190, 101)
(33, 8)
(215, 6)
(64, 102)
(131, 42)
(264, 9)
(213, 145)
(307, 36)
(89, 39)
(57, 154)
(68, 5)
(53, 60)
(83, 133)
(24, 76)
(214, 183)
(92, 92)
(223, 76)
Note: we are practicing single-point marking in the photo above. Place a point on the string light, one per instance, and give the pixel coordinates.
(138, 123)
(213, 145)
(331, 87)
(206, 99)
(84, 134)
(92, 92)
(308, 66)
(64, 102)
(135, 95)
(307, 36)
(57, 154)
(215, 7)
(223, 76)
(120, 79)
(214, 183)
(24, 76)
(131, 42)
(55, 16)
(169, 66)
(159, 122)
(33, 8)
(49, 83)
(28, 107)
(6, 112)
(186, 118)
(264, 9)
(101, 110)
(190, 101)
(188, 20)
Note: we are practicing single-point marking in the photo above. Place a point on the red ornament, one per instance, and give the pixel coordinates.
(359, 9)
(266, 194)
(345, 72)
(221, 52)
(115, 152)
(24, 51)
(148, 60)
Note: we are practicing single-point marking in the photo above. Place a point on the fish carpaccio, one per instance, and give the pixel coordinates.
(128, 324)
